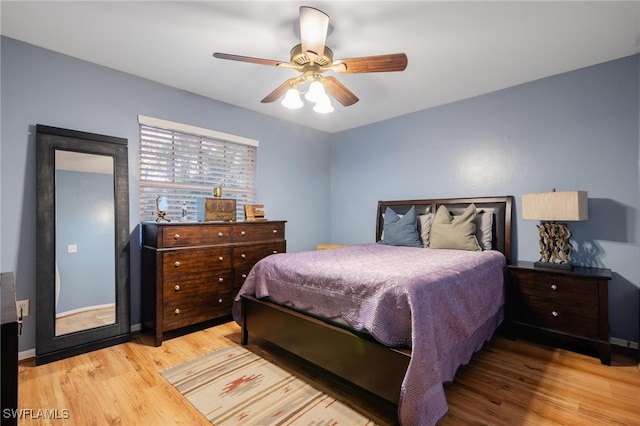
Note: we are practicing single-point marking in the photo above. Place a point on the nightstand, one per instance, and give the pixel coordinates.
(564, 305)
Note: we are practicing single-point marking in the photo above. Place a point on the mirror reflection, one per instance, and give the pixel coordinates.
(85, 272)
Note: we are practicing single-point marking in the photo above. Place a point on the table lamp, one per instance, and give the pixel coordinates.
(550, 208)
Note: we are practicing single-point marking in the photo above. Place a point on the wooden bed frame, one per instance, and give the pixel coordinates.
(348, 354)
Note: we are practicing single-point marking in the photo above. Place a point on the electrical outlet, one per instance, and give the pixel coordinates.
(24, 304)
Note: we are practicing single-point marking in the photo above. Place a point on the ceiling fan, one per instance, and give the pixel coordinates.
(312, 58)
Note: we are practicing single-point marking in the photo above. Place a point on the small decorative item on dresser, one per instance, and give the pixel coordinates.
(216, 209)
(565, 305)
(217, 191)
(549, 207)
(162, 205)
(253, 212)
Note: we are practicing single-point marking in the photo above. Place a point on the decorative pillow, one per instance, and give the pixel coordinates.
(484, 229)
(401, 231)
(454, 233)
(424, 227)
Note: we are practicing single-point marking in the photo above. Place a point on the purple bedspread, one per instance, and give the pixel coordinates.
(442, 303)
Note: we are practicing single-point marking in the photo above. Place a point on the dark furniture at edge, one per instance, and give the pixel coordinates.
(560, 305)
(9, 357)
(192, 271)
(356, 357)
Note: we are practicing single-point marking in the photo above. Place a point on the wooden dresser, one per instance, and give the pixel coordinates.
(565, 305)
(192, 271)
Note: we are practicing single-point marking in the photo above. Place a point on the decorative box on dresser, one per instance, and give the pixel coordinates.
(192, 271)
(570, 305)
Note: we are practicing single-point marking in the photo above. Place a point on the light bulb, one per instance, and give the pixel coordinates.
(315, 92)
(323, 106)
(292, 99)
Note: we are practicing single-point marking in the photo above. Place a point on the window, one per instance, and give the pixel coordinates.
(184, 163)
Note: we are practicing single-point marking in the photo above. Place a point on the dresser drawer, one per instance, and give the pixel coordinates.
(247, 256)
(193, 310)
(249, 232)
(202, 283)
(195, 260)
(181, 236)
(240, 274)
(193, 298)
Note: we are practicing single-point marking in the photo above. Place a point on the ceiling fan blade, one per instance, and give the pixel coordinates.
(314, 25)
(281, 90)
(339, 91)
(380, 63)
(250, 59)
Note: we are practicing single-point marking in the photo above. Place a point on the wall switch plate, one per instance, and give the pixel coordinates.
(24, 304)
(72, 248)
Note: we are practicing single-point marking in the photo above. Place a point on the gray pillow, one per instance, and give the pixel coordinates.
(484, 229)
(401, 231)
(454, 233)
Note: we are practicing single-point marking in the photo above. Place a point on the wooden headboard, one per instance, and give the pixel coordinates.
(500, 207)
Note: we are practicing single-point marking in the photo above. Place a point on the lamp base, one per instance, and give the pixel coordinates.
(551, 265)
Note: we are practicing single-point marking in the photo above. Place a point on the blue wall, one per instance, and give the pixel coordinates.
(573, 131)
(44, 87)
(577, 130)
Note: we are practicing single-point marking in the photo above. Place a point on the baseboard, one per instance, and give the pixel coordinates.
(28, 354)
(31, 353)
(623, 343)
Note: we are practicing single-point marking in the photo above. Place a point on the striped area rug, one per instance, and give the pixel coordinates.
(233, 386)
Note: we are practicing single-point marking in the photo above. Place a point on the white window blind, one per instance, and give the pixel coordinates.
(184, 163)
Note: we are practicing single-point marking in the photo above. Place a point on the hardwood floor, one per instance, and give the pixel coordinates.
(506, 383)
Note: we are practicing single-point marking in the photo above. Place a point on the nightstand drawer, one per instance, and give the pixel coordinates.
(558, 287)
(558, 314)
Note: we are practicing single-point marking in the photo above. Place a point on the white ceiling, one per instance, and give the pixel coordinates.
(456, 50)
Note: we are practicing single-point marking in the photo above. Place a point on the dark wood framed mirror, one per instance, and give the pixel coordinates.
(82, 249)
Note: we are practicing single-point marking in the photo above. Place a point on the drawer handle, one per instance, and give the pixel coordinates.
(275, 231)
(220, 280)
(177, 287)
(243, 233)
(177, 264)
(554, 287)
(554, 313)
(176, 237)
(275, 252)
(177, 311)
(244, 275)
(220, 234)
(219, 300)
(244, 256)
(220, 259)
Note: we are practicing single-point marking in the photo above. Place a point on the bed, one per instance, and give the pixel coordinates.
(422, 309)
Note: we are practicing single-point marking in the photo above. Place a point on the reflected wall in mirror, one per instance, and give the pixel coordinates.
(82, 252)
(85, 241)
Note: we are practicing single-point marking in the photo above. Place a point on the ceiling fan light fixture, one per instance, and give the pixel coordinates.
(316, 91)
(323, 105)
(292, 99)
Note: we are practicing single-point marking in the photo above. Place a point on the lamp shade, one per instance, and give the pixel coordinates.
(555, 206)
